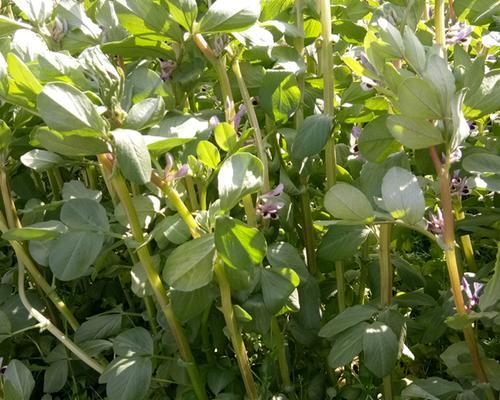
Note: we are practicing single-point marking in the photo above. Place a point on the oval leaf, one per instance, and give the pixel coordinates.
(346, 202)
(133, 155)
(230, 16)
(380, 346)
(414, 133)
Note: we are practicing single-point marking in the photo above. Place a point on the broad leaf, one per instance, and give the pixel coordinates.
(133, 342)
(99, 327)
(190, 266)
(312, 136)
(346, 202)
(414, 52)
(347, 345)
(40, 231)
(402, 196)
(380, 347)
(239, 175)
(277, 285)
(341, 242)
(78, 143)
(40, 160)
(127, 378)
(183, 12)
(18, 381)
(279, 94)
(414, 133)
(145, 114)
(230, 16)
(482, 163)
(376, 142)
(133, 155)
(84, 214)
(348, 318)
(418, 99)
(208, 154)
(65, 108)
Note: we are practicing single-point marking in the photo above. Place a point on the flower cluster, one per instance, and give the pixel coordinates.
(268, 204)
(471, 294)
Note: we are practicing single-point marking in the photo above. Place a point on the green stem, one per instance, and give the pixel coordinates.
(339, 274)
(193, 199)
(386, 287)
(8, 202)
(249, 210)
(279, 343)
(254, 122)
(465, 239)
(363, 274)
(443, 172)
(307, 226)
(56, 190)
(47, 324)
(159, 291)
(439, 22)
(150, 309)
(234, 331)
(299, 46)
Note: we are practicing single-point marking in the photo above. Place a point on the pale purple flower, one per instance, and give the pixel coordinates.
(471, 295)
(237, 118)
(213, 121)
(167, 67)
(458, 185)
(435, 224)
(169, 174)
(458, 33)
(268, 204)
(365, 63)
(456, 155)
(367, 84)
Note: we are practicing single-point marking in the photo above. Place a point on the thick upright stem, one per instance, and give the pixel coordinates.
(299, 46)
(307, 226)
(159, 291)
(234, 331)
(386, 286)
(254, 122)
(443, 172)
(465, 239)
(439, 23)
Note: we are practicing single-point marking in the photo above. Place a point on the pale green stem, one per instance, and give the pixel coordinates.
(439, 24)
(249, 210)
(159, 290)
(465, 239)
(193, 199)
(307, 226)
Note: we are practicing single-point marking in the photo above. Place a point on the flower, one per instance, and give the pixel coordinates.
(436, 223)
(172, 176)
(268, 204)
(472, 296)
(458, 33)
(237, 118)
(167, 67)
(458, 185)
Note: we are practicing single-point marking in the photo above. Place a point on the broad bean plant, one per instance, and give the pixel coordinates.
(259, 199)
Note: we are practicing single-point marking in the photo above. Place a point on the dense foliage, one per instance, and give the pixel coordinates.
(249, 199)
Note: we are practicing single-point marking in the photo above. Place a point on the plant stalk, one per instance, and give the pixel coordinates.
(465, 239)
(159, 291)
(439, 24)
(234, 331)
(307, 226)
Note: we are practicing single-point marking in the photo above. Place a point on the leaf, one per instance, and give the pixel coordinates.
(346, 202)
(73, 253)
(188, 305)
(239, 245)
(414, 133)
(5, 135)
(99, 327)
(133, 46)
(347, 345)
(22, 83)
(376, 142)
(491, 293)
(77, 190)
(390, 34)
(414, 52)
(433, 388)
(39, 231)
(40, 160)
(172, 229)
(140, 284)
(437, 72)
(9, 26)
(208, 154)
(133, 342)
(225, 136)
(341, 242)
(18, 381)
(415, 298)
(78, 143)
(145, 114)
(55, 376)
(190, 266)
(279, 94)
(402, 196)
(277, 285)
(127, 378)
(183, 12)
(482, 162)
(284, 255)
(346, 319)
(240, 175)
(65, 108)
(133, 155)
(84, 214)
(229, 16)
(145, 206)
(312, 136)
(36, 10)
(380, 347)
(460, 127)
(418, 99)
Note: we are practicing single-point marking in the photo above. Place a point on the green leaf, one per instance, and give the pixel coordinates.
(9, 26)
(277, 285)
(138, 47)
(5, 135)
(183, 12)
(380, 347)
(414, 52)
(460, 127)
(341, 242)
(346, 319)
(18, 381)
(415, 298)
(482, 163)
(402, 196)
(190, 266)
(208, 154)
(347, 345)
(414, 133)
(73, 253)
(40, 160)
(36, 10)
(312, 136)
(188, 305)
(133, 155)
(79, 143)
(225, 136)
(127, 378)
(418, 99)
(433, 388)
(437, 72)
(145, 206)
(22, 83)
(65, 108)
(56, 376)
(173, 229)
(240, 175)
(284, 255)
(491, 293)
(390, 34)
(99, 327)
(279, 94)
(133, 342)
(346, 202)
(376, 142)
(77, 190)
(229, 16)
(140, 284)
(239, 245)
(84, 214)
(40, 231)
(145, 114)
